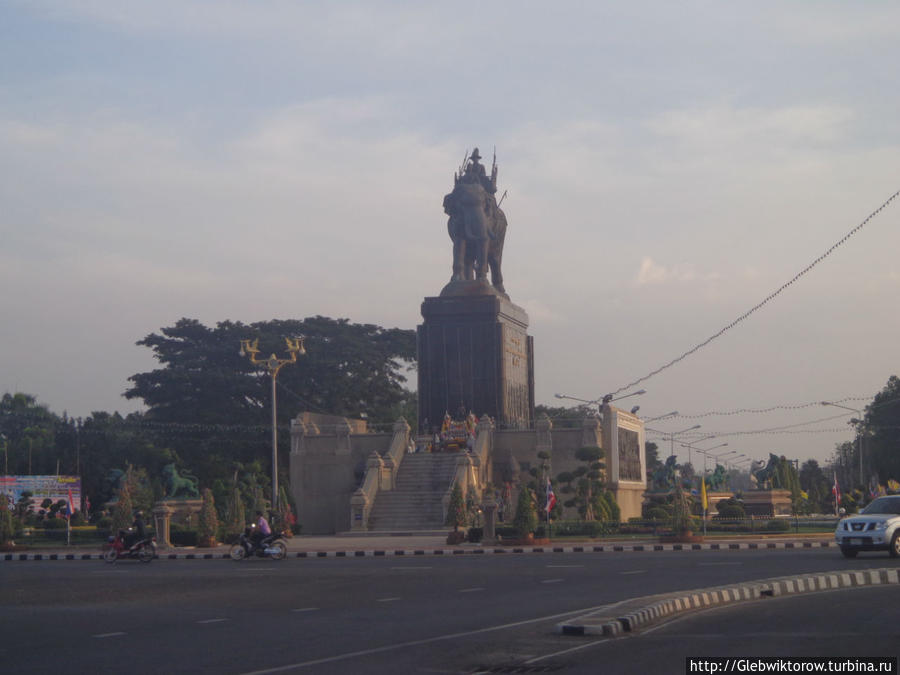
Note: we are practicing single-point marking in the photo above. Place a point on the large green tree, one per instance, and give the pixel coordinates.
(212, 406)
(881, 434)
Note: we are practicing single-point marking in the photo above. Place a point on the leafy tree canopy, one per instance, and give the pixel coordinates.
(348, 369)
(881, 429)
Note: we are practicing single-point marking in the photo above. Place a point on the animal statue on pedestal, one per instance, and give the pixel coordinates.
(763, 476)
(476, 224)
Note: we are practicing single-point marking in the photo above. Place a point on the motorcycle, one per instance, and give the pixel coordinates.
(271, 546)
(144, 549)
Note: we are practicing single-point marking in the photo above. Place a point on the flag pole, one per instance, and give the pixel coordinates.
(704, 498)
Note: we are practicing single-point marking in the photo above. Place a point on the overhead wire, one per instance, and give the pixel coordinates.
(761, 304)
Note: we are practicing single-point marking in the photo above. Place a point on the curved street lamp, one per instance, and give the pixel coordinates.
(605, 399)
(674, 434)
(273, 365)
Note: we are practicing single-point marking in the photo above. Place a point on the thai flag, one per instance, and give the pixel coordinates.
(551, 498)
(70, 508)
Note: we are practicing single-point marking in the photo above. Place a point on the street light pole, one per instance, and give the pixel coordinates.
(273, 365)
(705, 451)
(859, 421)
(690, 446)
(674, 434)
(603, 400)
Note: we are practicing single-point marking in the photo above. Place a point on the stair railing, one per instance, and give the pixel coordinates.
(400, 445)
(482, 452)
(381, 474)
(474, 469)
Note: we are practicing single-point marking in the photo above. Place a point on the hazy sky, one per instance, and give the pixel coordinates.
(669, 165)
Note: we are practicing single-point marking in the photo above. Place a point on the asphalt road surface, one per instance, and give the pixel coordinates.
(428, 614)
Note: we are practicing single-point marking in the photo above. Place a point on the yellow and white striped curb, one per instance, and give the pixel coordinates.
(658, 609)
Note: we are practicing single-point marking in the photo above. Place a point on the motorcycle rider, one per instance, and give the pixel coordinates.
(262, 529)
(138, 532)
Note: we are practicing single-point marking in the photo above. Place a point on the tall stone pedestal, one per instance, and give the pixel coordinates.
(767, 502)
(474, 355)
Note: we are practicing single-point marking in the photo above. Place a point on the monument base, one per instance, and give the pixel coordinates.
(769, 503)
(474, 355)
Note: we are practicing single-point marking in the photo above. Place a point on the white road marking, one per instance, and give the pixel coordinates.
(470, 590)
(212, 620)
(634, 572)
(108, 635)
(386, 599)
(567, 566)
(566, 651)
(710, 564)
(305, 609)
(551, 581)
(439, 638)
(412, 567)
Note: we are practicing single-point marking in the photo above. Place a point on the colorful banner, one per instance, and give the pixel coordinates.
(55, 488)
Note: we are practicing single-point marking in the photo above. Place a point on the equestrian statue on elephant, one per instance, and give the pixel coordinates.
(477, 225)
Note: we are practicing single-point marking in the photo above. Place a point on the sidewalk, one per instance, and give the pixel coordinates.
(413, 544)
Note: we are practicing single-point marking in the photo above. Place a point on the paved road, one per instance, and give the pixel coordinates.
(431, 614)
(860, 622)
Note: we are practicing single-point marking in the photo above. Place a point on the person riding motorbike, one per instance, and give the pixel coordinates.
(137, 532)
(261, 531)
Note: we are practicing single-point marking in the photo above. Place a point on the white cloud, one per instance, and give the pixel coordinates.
(650, 273)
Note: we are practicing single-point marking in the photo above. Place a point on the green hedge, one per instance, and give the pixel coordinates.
(183, 537)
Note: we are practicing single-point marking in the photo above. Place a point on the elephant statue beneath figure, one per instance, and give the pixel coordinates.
(476, 224)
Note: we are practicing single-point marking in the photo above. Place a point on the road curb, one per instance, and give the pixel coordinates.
(644, 612)
(449, 552)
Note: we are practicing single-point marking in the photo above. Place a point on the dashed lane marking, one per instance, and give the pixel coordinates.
(386, 599)
(212, 620)
(100, 636)
(551, 581)
(470, 590)
(411, 567)
(305, 609)
(416, 643)
(634, 572)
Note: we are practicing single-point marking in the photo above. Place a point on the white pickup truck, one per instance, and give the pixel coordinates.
(876, 528)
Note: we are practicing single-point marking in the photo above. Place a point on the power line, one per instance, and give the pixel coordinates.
(754, 411)
(767, 299)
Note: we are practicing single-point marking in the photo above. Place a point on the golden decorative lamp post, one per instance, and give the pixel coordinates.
(273, 364)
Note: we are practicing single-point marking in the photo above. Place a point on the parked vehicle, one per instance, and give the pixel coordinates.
(876, 528)
(116, 549)
(272, 546)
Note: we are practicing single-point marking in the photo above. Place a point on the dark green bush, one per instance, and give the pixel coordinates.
(506, 532)
(183, 537)
(778, 525)
(475, 534)
(54, 524)
(658, 513)
(583, 528)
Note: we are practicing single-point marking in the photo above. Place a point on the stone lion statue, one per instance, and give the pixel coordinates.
(180, 486)
(717, 480)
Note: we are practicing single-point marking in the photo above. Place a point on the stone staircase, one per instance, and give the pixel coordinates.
(415, 504)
